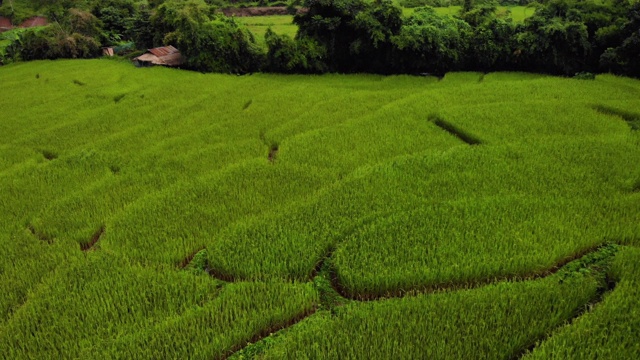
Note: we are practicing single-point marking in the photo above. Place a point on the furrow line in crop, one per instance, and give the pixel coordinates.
(94, 239)
(306, 132)
(632, 119)
(455, 131)
(438, 288)
(268, 332)
(219, 275)
(38, 235)
(610, 285)
(187, 260)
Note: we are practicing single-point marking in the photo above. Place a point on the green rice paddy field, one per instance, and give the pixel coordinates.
(163, 214)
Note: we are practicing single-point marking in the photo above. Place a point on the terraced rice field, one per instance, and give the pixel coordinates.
(158, 213)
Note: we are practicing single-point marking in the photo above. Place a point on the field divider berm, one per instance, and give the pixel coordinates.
(197, 261)
(581, 257)
(595, 260)
(606, 286)
(268, 332)
(580, 312)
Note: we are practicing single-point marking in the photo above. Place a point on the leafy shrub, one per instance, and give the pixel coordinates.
(584, 76)
(286, 55)
(429, 42)
(52, 43)
(220, 45)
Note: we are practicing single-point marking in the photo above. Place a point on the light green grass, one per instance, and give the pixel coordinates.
(365, 182)
(280, 24)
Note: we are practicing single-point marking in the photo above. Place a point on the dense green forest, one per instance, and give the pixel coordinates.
(564, 37)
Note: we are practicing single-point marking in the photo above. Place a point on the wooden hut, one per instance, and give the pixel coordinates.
(107, 51)
(164, 56)
(5, 24)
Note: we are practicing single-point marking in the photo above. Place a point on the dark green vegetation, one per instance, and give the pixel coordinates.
(562, 37)
(154, 213)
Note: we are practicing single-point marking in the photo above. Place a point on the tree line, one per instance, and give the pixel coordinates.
(564, 37)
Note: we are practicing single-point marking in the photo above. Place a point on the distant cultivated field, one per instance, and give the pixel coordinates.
(157, 213)
(280, 24)
(283, 24)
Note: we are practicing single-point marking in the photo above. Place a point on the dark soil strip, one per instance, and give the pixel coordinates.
(183, 264)
(116, 99)
(273, 153)
(448, 287)
(40, 236)
(79, 83)
(610, 286)
(219, 275)
(455, 131)
(269, 331)
(94, 239)
(632, 119)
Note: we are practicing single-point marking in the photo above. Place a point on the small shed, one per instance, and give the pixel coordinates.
(107, 51)
(165, 56)
(34, 22)
(5, 24)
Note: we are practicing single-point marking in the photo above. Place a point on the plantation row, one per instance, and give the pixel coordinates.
(199, 237)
